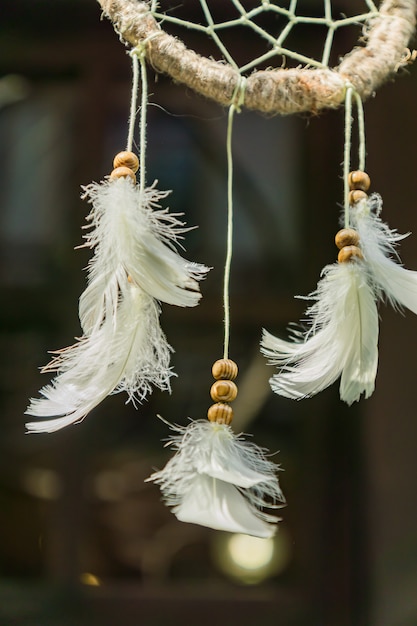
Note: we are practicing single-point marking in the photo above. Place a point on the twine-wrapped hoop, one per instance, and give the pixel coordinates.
(282, 91)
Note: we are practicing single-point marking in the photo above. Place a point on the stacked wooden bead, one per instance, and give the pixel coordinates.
(223, 391)
(125, 164)
(347, 239)
(359, 183)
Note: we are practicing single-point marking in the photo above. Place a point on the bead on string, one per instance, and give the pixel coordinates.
(125, 164)
(223, 391)
(347, 239)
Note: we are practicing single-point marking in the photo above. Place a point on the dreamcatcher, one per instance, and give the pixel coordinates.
(217, 478)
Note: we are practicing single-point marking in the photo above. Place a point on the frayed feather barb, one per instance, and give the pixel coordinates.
(342, 340)
(126, 353)
(131, 235)
(220, 480)
(379, 245)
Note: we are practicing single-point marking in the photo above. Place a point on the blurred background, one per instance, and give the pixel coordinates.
(83, 539)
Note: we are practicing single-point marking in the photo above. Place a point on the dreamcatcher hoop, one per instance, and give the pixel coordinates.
(283, 91)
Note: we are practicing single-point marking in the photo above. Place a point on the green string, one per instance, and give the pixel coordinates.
(350, 94)
(237, 102)
(347, 151)
(133, 102)
(143, 119)
(361, 130)
(138, 58)
(229, 238)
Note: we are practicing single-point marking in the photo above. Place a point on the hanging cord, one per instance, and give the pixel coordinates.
(138, 58)
(361, 130)
(351, 93)
(347, 151)
(143, 119)
(237, 102)
(133, 101)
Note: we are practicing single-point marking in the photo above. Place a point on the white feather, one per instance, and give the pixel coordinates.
(342, 339)
(128, 352)
(216, 504)
(219, 479)
(378, 243)
(131, 235)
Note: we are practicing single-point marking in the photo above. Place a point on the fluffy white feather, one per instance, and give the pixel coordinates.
(378, 243)
(128, 352)
(220, 480)
(217, 504)
(131, 235)
(342, 339)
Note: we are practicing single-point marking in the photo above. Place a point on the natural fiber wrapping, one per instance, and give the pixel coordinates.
(282, 91)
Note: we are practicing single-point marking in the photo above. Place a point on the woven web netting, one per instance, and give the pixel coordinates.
(285, 56)
(269, 30)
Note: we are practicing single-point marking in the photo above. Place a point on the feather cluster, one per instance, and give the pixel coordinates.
(123, 348)
(342, 338)
(220, 480)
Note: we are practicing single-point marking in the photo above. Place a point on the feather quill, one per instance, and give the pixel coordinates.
(128, 352)
(378, 243)
(220, 480)
(131, 235)
(342, 340)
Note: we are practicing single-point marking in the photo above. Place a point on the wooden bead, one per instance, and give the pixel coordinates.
(223, 391)
(359, 180)
(126, 159)
(220, 413)
(356, 196)
(224, 369)
(346, 237)
(349, 252)
(123, 172)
